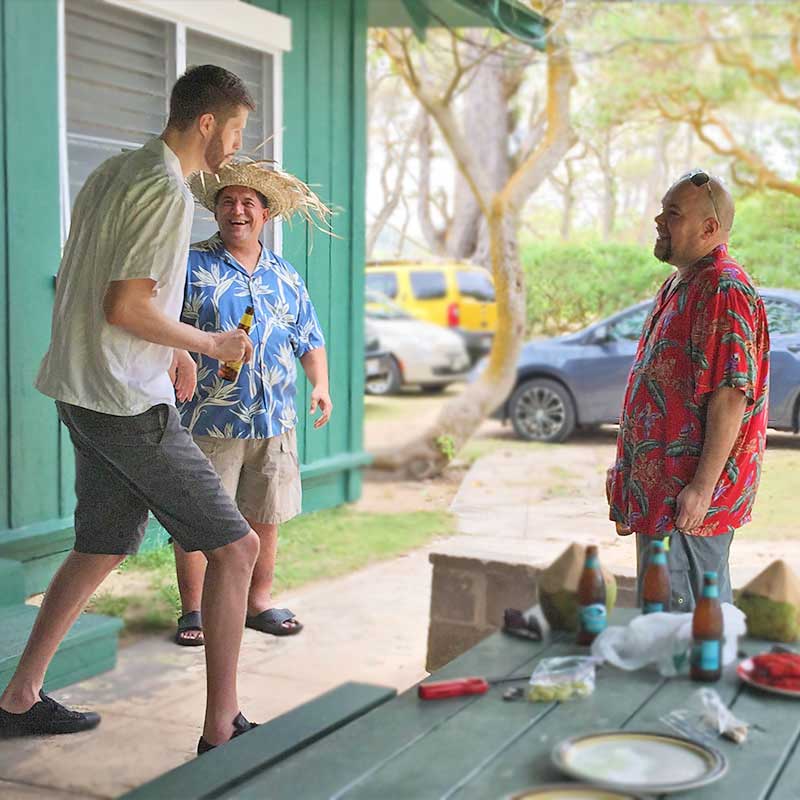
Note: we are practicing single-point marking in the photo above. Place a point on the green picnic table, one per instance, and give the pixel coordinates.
(484, 747)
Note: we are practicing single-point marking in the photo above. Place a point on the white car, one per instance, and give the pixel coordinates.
(422, 354)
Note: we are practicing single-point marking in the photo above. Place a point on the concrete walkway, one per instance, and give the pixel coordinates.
(369, 626)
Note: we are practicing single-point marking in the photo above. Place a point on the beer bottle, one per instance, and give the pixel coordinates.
(655, 587)
(229, 370)
(591, 599)
(706, 655)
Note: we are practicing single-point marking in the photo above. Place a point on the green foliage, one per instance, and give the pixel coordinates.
(446, 445)
(569, 285)
(766, 238)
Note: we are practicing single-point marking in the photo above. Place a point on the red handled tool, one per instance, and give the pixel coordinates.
(458, 687)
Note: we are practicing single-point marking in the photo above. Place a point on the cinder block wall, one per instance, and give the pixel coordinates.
(469, 595)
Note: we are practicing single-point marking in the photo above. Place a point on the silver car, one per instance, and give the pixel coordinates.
(422, 354)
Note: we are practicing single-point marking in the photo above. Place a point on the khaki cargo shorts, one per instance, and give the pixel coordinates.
(263, 475)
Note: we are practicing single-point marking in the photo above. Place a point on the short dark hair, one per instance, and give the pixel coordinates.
(207, 89)
(261, 198)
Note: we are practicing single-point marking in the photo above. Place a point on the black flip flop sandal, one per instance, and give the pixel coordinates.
(189, 622)
(271, 621)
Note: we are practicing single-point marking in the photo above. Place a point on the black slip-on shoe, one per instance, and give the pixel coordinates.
(45, 718)
(240, 726)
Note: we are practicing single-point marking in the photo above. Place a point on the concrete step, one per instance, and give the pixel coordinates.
(89, 648)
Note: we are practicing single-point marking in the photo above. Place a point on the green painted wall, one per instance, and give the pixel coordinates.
(324, 143)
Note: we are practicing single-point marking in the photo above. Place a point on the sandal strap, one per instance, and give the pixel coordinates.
(191, 621)
(277, 616)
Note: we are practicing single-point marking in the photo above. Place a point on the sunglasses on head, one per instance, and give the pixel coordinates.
(699, 177)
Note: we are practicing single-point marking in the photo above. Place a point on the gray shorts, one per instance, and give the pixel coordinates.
(688, 558)
(127, 466)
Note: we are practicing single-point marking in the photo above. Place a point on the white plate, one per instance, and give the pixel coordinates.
(570, 791)
(745, 672)
(638, 761)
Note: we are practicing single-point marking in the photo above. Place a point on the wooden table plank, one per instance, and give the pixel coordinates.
(526, 762)
(345, 757)
(787, 787)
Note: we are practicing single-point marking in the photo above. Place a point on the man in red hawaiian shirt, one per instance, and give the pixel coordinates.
(693, 425)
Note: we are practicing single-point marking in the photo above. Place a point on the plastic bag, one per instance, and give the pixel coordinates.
(706, 719)
(558, 679)
(663, 640)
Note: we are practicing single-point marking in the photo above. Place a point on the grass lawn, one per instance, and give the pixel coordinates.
(775, 514)
(325, 544)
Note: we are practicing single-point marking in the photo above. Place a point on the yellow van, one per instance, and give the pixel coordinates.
(453, 294)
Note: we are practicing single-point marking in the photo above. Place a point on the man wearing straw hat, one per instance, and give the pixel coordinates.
(116, 331)
(246, 426)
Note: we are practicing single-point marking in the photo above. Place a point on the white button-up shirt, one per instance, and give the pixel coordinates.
(132, 219)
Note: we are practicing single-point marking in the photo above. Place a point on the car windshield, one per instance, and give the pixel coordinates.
(379, 306)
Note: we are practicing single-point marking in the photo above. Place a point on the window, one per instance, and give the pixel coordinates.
(783, 316)
(383, 282)
(119, 67)
(630, 326)
(428, 284)
(476, 284)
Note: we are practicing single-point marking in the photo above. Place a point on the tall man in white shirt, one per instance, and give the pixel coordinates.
(116, 333)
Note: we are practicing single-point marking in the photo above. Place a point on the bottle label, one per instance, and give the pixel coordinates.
(711, 591)
(652, 608)
(658, 557)
(593, 618)
(592, 562)
(706, 655)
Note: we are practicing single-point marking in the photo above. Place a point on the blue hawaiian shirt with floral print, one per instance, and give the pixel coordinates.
(261, 403)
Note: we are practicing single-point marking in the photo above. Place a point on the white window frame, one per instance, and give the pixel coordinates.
(233, 20)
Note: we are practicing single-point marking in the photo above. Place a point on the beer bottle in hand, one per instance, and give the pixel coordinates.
(706, 655)
(655, 587)
(591, 599)
(229, 370)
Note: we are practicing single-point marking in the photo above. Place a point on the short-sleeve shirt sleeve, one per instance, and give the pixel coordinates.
(151, 234)
(723, 340)
(308, 332)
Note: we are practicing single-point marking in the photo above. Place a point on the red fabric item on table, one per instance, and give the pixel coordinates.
(781, 670)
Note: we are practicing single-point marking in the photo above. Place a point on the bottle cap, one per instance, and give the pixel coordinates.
(710, 576)
(657, 545)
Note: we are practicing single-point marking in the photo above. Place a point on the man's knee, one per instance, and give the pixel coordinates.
(243, 551)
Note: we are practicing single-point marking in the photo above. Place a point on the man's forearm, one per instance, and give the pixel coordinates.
(723, 423)
(315, 366)
(145, 320)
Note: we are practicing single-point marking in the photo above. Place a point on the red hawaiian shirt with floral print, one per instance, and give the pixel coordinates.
(707, 331)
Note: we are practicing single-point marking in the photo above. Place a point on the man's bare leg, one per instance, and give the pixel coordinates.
(69, 591)
(190, 569)
(224, 606)
(260, 598)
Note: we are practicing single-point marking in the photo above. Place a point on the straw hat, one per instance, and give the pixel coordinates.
(286, 195)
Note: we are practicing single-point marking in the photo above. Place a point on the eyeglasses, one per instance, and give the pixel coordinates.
(699, 177)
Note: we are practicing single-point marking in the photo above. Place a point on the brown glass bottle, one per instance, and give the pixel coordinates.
(655, 586)
(229, 370)
(706, 656)
(591, 599)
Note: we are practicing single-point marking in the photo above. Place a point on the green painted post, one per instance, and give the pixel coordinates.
(5, 450)
(320, 159)
(358, 139)
(343, 359)
(33, 249)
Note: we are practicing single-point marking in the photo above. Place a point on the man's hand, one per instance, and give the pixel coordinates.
(320, 399)
(183, 374)
(232, 345)
(691, 507)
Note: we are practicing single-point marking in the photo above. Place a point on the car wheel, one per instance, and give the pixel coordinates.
(433, 388)
(541, 410)
(389, 383)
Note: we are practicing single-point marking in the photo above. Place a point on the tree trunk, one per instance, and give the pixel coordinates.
(428, 454)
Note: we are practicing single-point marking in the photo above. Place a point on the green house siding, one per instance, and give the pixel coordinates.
(325, 144)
